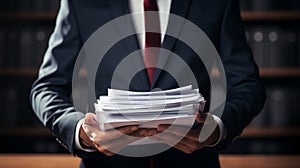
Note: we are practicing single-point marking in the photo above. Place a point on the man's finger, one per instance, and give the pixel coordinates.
(109, 135)
(206, 118)
(170, 141)
(144, 132)
(192, 134)
(104, 150)
(182, 147)
(91, 131)
(123, 130)
(117, 144)
(167, 138)
(91, 119)
(85, 143)
(84, 138)
(199, 118)
(194, 145)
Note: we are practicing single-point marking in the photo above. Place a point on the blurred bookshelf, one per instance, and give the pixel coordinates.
(269, 132)
(264, 72)
(25, 27)
(26, 131)
(270, 15)
(246, 15)
(279, 72)
(272, 32)
(33, 16)
(30, 72)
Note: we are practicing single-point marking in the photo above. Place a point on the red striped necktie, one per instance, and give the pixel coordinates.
(152, 39)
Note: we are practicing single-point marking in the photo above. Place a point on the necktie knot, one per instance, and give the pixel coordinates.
(150, 5)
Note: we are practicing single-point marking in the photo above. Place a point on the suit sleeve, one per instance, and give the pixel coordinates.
(245, 92)
(51, 93)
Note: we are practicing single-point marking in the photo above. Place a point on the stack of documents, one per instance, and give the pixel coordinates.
(148, 109)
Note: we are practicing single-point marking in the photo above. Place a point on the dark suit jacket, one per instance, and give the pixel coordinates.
(78, 19)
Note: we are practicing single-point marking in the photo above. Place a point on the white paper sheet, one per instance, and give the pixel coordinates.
(148, 109)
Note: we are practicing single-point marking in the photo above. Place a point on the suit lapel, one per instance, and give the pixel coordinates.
(120, 8)
(180, 8)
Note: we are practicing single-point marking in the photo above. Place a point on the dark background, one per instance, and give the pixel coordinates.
(272, 31)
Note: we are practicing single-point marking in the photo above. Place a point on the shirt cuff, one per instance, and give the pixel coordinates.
(77, 142)
(222, 129)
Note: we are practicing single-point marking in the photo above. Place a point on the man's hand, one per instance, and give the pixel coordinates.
(190, 142)
(108, 142)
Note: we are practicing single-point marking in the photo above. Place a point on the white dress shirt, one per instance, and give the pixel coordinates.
(137, 7)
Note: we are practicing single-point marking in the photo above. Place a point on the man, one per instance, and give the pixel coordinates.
(77, 20)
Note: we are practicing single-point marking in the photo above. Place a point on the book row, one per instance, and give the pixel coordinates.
(23, 48)
(269, 5)
(52, 5)
(274, 46)
(15, 108)
(264, 145)
(29, 5)
(281, 108)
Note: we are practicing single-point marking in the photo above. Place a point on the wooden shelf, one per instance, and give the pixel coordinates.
(269, 132)
(279, 72)
(15, 160)
(272, 15)
(19, 72)
(34, 131)
(264, 72)
(38, 160)
(44, 16)
(261, 161)
(246, 15)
